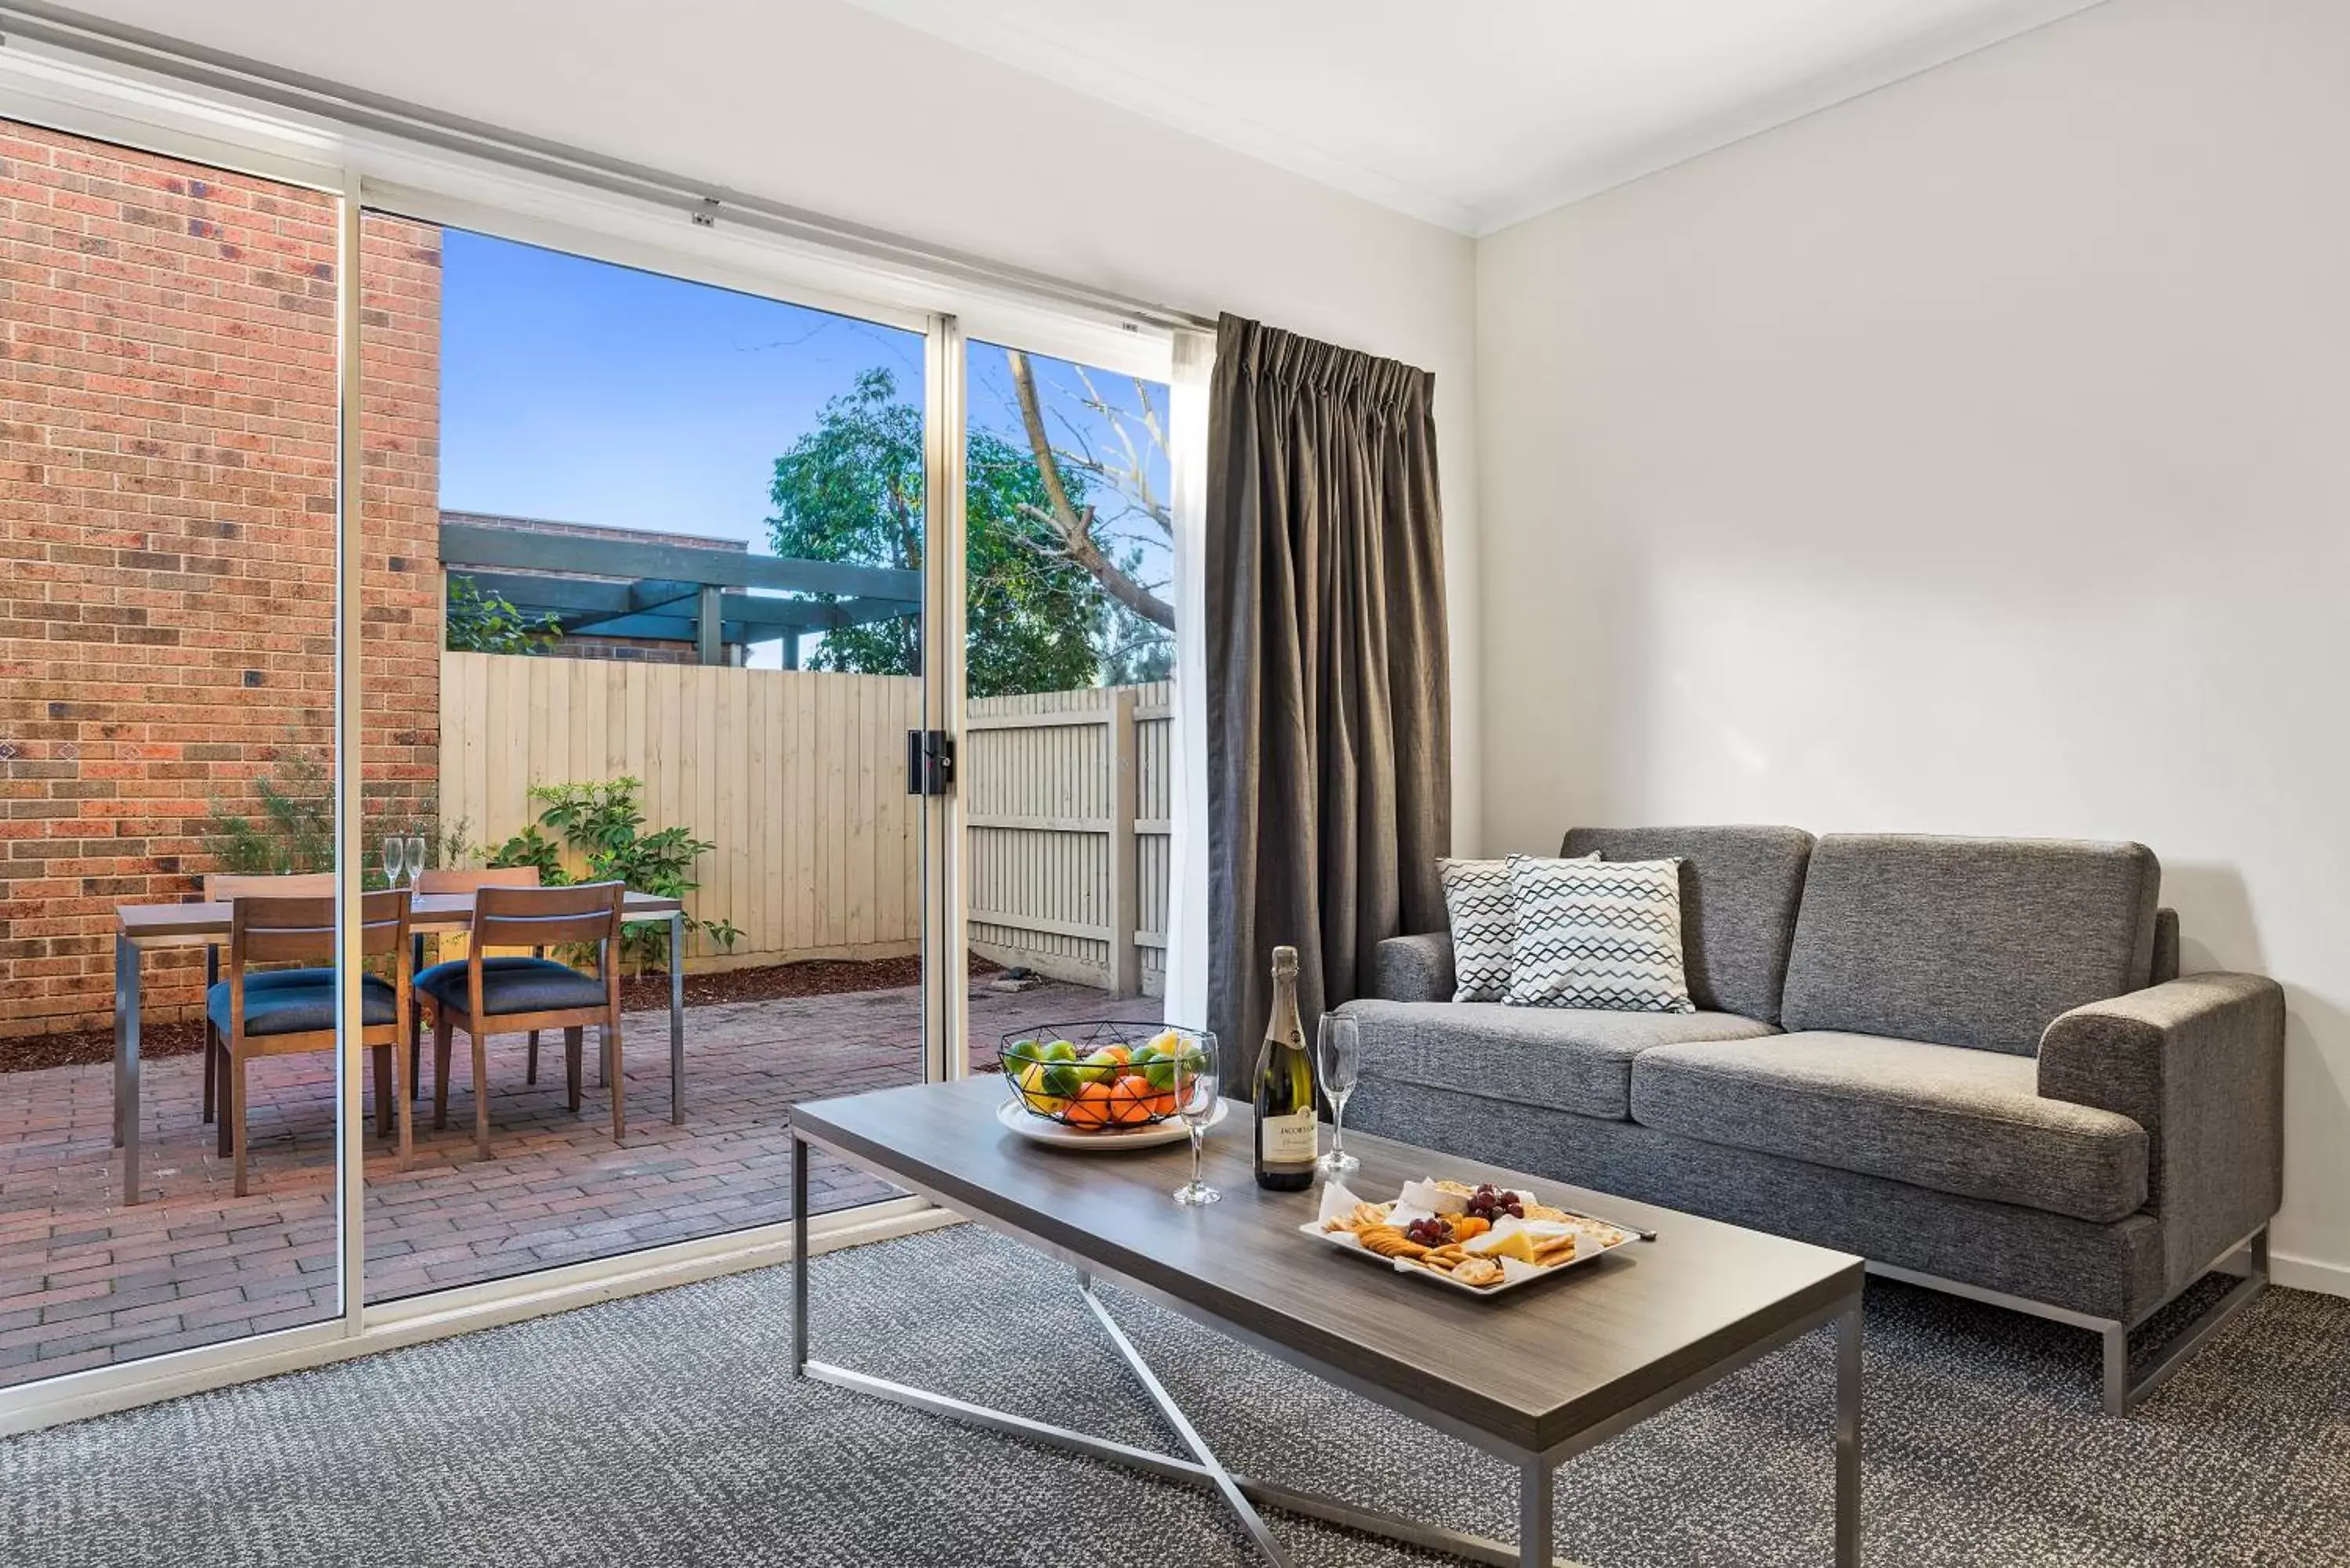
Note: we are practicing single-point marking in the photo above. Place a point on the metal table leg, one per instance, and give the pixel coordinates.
(125, 1062)
(1534, 1521)
(1243, 1495)
(799, 1257)
(1234, 1499)
(676, 1017)
(1847, 1438)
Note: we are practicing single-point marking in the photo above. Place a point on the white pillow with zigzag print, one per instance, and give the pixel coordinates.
(1481, 910)
(1597, 934)
(1482, 913)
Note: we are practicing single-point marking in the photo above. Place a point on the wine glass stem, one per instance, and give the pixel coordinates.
(1197, 1132)
(1337, 1123)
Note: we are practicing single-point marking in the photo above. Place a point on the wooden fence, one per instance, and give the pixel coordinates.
(1066, 797)
(799, 778)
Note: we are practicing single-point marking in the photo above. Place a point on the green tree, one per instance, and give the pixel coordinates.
(484, 620)
(851, 490)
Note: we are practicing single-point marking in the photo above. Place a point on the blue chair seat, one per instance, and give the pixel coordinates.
(298, 1001)
(514, 983)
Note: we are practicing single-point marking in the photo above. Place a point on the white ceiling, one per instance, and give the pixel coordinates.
(1474, 113)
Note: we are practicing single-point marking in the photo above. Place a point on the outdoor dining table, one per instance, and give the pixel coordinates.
(140, 927)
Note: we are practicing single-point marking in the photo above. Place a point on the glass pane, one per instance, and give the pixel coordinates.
(1065, 774)
(167, 539)
(649, 599)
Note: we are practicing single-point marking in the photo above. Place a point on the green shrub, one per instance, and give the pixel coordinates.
(295, 830)
(603, 824)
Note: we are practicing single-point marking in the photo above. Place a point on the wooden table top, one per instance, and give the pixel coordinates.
(1533, 1368)
(156, 924)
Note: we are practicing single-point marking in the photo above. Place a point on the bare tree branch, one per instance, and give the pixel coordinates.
(1075, 528)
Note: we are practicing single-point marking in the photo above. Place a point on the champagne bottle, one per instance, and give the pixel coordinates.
(1285, 1126)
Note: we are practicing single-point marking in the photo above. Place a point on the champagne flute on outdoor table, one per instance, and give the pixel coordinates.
(415, 858)
(394, 854)
(1198, 1085)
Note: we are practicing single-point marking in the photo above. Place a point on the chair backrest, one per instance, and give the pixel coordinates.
(542, 917)
(221, 886)
(474, 880)
(280, 930)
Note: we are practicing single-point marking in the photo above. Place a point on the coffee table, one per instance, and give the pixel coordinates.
(1533, 1378)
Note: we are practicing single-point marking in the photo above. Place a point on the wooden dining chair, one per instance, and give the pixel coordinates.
(278, 1012)
(453, 879)
(225, 887)
(523, 994)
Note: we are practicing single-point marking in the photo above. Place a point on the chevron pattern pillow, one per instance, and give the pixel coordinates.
(1482, 912)
(1597, 934)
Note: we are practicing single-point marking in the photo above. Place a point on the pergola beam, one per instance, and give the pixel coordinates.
(584, 605)
(468, 546)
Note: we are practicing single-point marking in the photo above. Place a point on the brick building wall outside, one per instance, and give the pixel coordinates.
(167, 513)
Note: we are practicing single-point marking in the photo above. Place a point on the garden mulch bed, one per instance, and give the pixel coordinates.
(768, 982)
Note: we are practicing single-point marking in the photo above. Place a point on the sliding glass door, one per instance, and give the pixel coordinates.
(651, 568)
(168, 1167)
(365, 566)
(1067, 773)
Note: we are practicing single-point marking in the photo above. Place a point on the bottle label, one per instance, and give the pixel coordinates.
(1291, 1139)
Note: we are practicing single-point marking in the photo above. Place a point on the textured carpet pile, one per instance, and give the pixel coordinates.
(666, 1430)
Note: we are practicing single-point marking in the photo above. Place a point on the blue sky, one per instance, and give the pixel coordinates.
(587, 393)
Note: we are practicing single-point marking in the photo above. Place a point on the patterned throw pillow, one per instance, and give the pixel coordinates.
(1481, 910)
(1482, 913)
(1597, 934)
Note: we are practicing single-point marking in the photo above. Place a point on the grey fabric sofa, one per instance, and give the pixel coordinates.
(1973, 1062)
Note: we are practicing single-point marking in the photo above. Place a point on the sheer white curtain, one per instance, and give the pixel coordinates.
(1186, 897)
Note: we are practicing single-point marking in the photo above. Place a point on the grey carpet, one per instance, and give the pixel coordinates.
(664, 1430)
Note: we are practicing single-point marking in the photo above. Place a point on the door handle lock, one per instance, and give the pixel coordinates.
(929, 762)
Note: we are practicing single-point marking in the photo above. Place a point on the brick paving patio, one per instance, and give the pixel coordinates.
(85, 1281)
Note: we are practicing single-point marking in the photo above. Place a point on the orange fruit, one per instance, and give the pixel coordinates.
(1091, 1108)
(1118, 1053)
(1129, 1100)
(1161, 1105)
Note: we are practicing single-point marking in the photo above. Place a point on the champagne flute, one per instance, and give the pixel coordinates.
(1340, 1046)
(415, 858)
(392, 855)
(1197, 1083)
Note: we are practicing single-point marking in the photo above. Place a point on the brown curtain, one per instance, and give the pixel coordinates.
(1329, 733)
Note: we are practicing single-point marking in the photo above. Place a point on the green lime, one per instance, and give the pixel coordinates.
(1060, 1051)
(1160, 1071)
(1017, 1053)
(1145, 1055)
(1062, 1081)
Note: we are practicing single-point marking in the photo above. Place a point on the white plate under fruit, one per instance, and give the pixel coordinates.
(1044, 1130)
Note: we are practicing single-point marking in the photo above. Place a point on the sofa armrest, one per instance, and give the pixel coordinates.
(1413, 968)
(2198, 1061)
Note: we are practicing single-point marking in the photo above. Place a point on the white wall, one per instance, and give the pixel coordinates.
(829, 107)
(1973, 457)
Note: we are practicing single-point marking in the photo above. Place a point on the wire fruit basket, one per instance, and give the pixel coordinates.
(1100, 1077)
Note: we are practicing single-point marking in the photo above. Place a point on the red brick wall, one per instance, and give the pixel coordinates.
(400, 512)
(167, 496)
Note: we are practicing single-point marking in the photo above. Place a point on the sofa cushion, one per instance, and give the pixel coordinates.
(1941, 1116)
(514, 983)
(1481, 915)
(1561, 1058)
(1592, 934)
(1967, 941)
(1739, 888)
(298, 1002)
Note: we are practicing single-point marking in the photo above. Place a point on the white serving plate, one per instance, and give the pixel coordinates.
(1515, 1274)
(1057, 1135)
